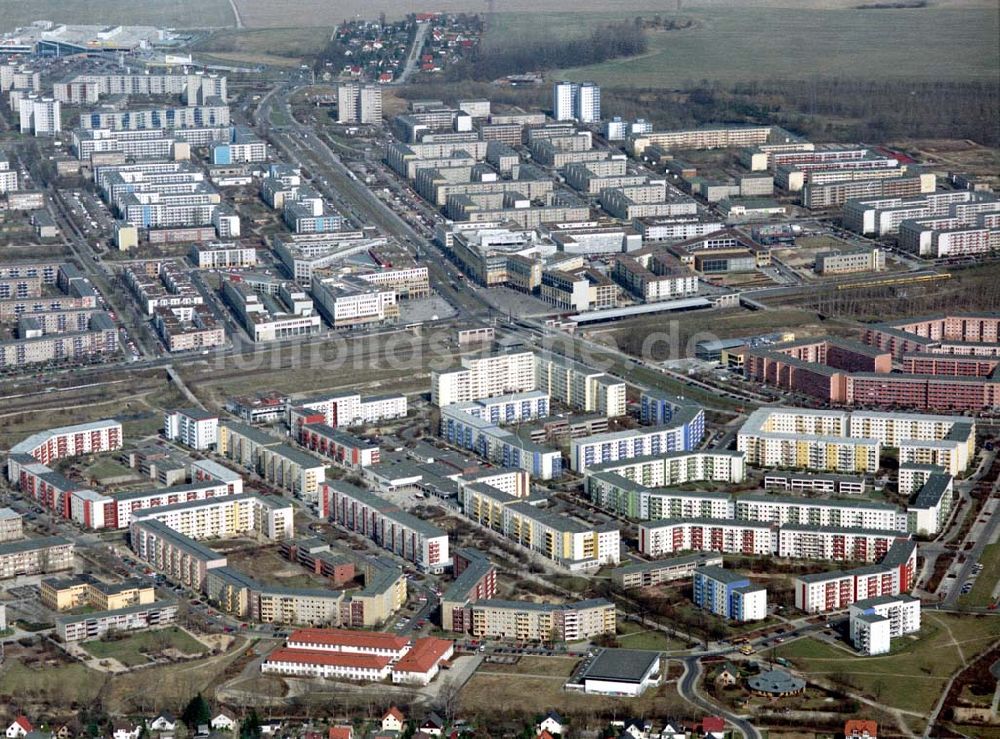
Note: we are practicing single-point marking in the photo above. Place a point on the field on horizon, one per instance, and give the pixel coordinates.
(264, 13)
(163, 13)
(736, 44)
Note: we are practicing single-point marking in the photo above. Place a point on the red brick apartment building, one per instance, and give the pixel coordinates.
(949, 362)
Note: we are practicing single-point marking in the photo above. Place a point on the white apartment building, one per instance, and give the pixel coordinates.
(222, 518)
(854, 514)
(350, 409)
(40, 116)
(684, 432)
(67, 441)
(484, 377)
(835, 544)
(729, 536)
(8, 176)
(222, 255)
(587, 105)
(192, 427)
(358, 103)
(563, 100)
(833, 591)
(677, 468)
(875, 622)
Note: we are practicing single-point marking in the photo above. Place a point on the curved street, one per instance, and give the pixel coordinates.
(687, 686)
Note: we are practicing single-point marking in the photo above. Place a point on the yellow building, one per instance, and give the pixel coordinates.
(67, 593)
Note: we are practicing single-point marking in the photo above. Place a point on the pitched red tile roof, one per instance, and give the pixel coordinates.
(337, 659)
(424, 654)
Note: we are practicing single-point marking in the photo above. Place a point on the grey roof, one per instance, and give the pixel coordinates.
(932, 491)
(722, 575)
(881, 600)
(685, 559)
(776, 681)
(30, 545)
(620, 665)
(98, 615)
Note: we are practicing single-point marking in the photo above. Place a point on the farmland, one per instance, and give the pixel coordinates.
(177, 14)
(277, 46)
(271, 13)
(786, 44)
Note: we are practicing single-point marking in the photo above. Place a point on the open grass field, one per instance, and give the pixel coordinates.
(272, 13)
(740, 43)
(636, 636)
(275, 46)
(133, 649)
(982, 591)
(537, 692)
(914, 674)
(174, 14)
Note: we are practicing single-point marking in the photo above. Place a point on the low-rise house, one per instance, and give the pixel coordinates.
(123, 729)
(552, 723)
(164, 721)
(341, 732)
(433, 725)
(393, 720)
(223, 720)
(860, 729)
(19, 727)
(729, 675)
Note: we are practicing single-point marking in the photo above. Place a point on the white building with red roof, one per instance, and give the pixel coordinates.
(423, 661)
(314, 663)
(345, 640)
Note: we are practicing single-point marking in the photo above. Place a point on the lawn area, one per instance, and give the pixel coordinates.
(982, 591)
(914, 674)
(132, 650)
(732, 43)
(266, 46)
(179, 13)
(635, 636)
(76, 682)
(531, 695)
(561, 667)
(107, 468)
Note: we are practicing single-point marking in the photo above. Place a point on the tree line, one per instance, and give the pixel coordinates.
(540, 54)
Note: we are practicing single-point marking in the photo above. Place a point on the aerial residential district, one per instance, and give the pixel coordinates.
(331, 409)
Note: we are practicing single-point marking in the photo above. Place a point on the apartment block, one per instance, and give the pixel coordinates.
(647, 574)
(835, 544)
(35, 556)
(407, 536)
(74, 591)
(345, 449)
(833, 591)
(475, 580)
(225, 517)
(90, 626)
(291, 469)
(564, 540)
(193, 427)
(684, 432)
(11, 525)
(729, 595)
(544, 622)
(729, 536)
(875, 622)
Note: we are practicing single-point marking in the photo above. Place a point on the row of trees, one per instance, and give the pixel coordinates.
(606, 42)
